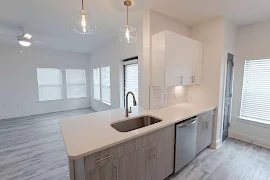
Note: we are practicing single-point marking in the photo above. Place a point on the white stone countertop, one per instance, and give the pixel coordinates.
(90, 133)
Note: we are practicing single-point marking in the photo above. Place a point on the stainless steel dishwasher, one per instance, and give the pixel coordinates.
(185, 145)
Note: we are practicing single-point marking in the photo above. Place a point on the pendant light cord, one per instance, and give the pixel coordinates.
(127, 16)
(82, 6)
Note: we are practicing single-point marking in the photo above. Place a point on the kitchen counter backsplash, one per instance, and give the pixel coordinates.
(162, 97)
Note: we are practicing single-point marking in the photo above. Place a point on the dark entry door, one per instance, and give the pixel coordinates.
(228, 97)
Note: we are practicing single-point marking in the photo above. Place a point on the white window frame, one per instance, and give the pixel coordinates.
(252, 120)
(62, 84)
(100, 85)
(84, 84)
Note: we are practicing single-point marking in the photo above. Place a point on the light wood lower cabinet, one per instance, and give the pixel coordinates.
(204, 130)
(165, 153)
(147, 162)
(149, 157)
(108, 171)
(127, 167)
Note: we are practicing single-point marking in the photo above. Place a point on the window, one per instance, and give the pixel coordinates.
(96, 82)
(102, 85)
(131, 79)
(105, 85)
(76, 83)
(256, 90)
(49, 84)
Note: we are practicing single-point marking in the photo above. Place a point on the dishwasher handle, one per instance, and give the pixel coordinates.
(188, 123)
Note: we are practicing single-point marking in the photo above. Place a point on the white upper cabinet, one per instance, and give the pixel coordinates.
(176, 60)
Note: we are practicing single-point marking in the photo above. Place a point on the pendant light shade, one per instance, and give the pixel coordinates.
(83, 23)
(127, 33)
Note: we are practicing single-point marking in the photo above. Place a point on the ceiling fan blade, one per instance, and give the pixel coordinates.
(8, 36)
(27, 36)
(38, 42)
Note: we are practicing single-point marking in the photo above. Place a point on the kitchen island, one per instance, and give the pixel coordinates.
(94, 147)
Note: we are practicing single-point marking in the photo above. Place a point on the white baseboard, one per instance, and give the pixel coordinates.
(249, 139)
(95, 109)
(216, 144)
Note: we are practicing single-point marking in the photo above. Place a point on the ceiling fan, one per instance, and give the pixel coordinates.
(25, 39)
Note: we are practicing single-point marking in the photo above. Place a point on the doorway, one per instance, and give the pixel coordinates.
(228, 97)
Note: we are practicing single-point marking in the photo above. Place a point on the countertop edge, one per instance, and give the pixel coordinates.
(75, 157)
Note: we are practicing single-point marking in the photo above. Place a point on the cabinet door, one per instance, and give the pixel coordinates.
(209, 130)
(127, 167)
(106, 172)
(158, 59)
(165, 153)
(196, 62)
(200, 143)
(145, 164)
(178, 60)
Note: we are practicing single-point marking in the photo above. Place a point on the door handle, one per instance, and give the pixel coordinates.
(149, 153)
(115, 172)
(102, 159)
(181, 82)
(154, 152)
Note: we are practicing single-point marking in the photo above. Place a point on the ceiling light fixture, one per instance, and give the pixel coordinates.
(83, 23)
(128, 34)
(24, 41)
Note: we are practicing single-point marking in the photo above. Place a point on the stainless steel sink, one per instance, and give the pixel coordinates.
(136, 123)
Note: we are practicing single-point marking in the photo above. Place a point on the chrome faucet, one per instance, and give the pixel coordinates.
(134, 103)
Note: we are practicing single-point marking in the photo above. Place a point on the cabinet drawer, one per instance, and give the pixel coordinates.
(149, 138)
(100, 158)
(206, 115)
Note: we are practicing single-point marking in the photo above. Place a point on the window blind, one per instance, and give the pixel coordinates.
(76, 83)
(49, 84)
(256, 90)
(96, 83)
(131, 80)
(105, 84)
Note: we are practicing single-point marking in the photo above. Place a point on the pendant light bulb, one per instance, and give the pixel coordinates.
(83, 23)
(127, 33)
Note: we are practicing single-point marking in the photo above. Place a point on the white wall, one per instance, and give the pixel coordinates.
(112, 54)
(18, 79)
(217, 38)
(252, 42)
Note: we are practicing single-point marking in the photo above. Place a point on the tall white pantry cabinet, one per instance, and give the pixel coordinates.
(176, 60)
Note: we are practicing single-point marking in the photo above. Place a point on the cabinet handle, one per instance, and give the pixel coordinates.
(154, 152)
(206, 125)
(181, 82)
(191, 79)
(149, 153)
(115, 172)
(102, 159)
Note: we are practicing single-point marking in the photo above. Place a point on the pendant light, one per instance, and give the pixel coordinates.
(83, 23)
(127, 33)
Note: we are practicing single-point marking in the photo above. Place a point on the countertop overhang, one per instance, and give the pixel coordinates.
(90, 133)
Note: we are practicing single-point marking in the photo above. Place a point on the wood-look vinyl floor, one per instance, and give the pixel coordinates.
(32, 148)
(235, 160)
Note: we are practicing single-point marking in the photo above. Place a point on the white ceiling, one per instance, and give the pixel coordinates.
(192, 12)
(49, 20)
